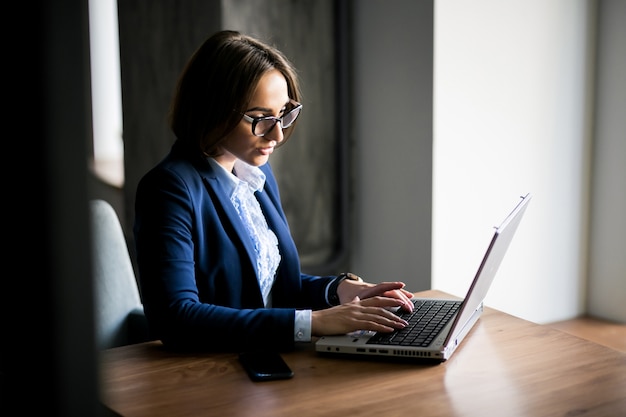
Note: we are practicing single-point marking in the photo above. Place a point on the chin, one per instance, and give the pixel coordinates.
(258, 161)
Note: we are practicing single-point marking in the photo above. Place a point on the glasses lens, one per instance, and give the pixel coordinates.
(290, 117)
(263, 126)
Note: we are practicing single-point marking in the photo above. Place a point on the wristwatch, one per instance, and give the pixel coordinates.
(333, 298)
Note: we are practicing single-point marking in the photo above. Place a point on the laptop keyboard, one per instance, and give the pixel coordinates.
(426, 320)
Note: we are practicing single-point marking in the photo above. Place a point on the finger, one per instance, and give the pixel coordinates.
(403, 296)
(408, 294)
(392, 290)
(356, 299)
(392, 285)
(380, 289)
(383, 317)
(384, 302)
(390, 301)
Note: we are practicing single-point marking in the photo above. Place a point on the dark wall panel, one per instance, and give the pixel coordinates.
(157, 38)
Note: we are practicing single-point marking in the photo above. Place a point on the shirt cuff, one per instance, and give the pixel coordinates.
(302, 328)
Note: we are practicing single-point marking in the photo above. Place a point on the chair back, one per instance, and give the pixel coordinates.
(119, 312)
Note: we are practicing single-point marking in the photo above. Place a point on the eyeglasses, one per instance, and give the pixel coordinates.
(263, 125)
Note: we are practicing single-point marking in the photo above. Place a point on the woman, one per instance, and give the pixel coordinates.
(218, 268)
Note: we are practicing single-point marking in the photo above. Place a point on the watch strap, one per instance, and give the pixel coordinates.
(333, 298)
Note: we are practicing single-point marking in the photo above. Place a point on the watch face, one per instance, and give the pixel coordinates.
(353, 277)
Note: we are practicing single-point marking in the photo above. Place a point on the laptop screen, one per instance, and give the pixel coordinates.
(489, 266)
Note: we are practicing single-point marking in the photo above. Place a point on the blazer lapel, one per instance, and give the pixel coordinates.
(216, 191)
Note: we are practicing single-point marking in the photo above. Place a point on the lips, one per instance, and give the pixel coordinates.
(266, 151)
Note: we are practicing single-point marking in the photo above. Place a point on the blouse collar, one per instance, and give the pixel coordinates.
(242, 172)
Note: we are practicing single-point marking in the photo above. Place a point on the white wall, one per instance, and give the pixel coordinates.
(513, 114)
(514, 95)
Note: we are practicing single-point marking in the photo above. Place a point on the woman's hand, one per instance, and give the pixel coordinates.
(349, 289)
(372, 313)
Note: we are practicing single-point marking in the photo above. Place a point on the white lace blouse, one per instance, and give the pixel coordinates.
(241, 186)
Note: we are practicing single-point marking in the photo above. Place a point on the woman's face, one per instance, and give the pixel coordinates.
(271, 98)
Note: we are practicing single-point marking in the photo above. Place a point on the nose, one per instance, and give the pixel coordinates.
(275, 133)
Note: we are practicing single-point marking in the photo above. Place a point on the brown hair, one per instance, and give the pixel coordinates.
(218, 82)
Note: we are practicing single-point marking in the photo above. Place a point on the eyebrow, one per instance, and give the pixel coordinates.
(267, 109)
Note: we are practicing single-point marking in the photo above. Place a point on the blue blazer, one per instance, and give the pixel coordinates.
(196, 262)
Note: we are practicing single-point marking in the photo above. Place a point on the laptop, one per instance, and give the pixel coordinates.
(436, 326)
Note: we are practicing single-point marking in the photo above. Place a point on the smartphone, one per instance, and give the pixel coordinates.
(265, 366)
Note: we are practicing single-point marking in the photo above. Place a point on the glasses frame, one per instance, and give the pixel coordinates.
(255, 120)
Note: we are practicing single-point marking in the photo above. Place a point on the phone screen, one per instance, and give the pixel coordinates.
(265, 366)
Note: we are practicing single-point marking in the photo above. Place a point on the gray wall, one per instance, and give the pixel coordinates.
(606, 283)
(361, 156)
(392, 87)
(309, 168)
(158, 37)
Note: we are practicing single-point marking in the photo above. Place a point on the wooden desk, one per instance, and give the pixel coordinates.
(505, 367)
